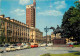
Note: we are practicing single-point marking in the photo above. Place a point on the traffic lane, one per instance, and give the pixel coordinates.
(32, 52)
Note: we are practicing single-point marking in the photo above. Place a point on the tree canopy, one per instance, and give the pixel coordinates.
(71, 22)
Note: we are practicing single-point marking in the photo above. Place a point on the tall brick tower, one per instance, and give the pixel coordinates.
(31, 14)
(34, 3)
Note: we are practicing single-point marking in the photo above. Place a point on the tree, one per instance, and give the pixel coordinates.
(71, 22)
(66, 24)
(77, 3)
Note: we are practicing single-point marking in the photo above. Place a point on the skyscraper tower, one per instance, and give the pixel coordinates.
(31, 14)
(34, 3)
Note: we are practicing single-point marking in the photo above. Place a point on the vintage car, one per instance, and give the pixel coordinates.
(19, 48)
(1, 51)
(18, 44)
(6, 45)
(42, 45)
(50, 44)
(10, 48)
(34, 45)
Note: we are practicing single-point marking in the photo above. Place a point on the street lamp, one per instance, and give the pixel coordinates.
(46, 30)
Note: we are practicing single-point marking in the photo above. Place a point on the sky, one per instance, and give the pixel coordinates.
(48, 12)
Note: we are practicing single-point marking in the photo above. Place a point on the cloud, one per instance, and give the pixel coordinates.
(50, 6)
(18, 12)
(60, 4)
(38, 8)
(51, 13)
(24, 2)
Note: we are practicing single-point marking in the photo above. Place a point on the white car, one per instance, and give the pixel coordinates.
(10, 48)
(42, 45)
(19, 48)
(50, 44)
(39, 45)
(1, 51)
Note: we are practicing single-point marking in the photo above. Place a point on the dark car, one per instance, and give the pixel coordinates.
(6, 45)
(14, 44)
(1, 45)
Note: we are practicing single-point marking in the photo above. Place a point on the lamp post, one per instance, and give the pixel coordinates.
(46, 30)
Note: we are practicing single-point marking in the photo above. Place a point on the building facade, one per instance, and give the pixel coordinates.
(35, 35)
(31, 14)
(58, 36)
(13, 30)
(48, 39)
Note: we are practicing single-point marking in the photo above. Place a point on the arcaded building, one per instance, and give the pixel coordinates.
(14, 31)
(31, 14)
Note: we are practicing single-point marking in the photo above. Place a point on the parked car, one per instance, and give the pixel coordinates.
(19, 48)
(70, 45)
(22, 44)
(1, 51)
(39, 45)
(18, 44)
(73, 43)
(10, 48)
(6, 45)
(14, 44)
(1, 45)
(50, 44)
(34, 45)
(42, 45)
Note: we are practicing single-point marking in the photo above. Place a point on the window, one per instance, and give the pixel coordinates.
(22, 33)
(16, 33)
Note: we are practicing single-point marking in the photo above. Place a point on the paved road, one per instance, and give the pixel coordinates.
(32, 52)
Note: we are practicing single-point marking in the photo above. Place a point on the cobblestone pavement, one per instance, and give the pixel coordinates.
(33, 52)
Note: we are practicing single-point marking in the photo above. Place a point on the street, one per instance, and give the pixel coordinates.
(32, 52)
